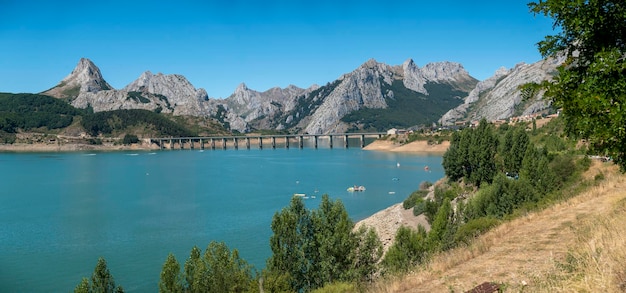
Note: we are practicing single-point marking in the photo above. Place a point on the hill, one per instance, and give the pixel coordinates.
(573, 246)
(41, 119)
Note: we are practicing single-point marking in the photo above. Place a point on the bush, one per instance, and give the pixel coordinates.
(412, 200)
(473, 228)
(420, 207)
(130, 139)
(425, 185)
(95, 141)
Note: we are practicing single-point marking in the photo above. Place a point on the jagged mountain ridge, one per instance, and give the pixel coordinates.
(501, 97)
(320, 109)
(317, 109)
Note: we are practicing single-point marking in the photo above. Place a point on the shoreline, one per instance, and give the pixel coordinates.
(419, 146)
(70, 147)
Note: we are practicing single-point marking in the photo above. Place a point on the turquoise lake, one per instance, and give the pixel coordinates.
(61, 211)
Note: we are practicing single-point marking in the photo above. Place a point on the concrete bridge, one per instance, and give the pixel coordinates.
(272, 141)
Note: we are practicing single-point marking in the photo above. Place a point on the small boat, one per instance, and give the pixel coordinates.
(392, 192)
(356, 188)
(299, 194)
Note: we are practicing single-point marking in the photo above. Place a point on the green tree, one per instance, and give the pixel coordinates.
(218, 270)
(334, 242)
(225, 270)
(190, 270)
(170, 281)
(482, 151)
(409, 249)
(368, 253)
(292, 245)
(130, 139)
(436, 239)
(590, 85)
(83, 286)
(101, 280)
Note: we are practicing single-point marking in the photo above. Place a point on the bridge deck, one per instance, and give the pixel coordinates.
(181, 141)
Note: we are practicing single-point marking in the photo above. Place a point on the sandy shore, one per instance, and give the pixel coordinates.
(43, 147)
(419, 146)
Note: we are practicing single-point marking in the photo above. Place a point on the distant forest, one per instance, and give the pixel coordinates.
(41, 113)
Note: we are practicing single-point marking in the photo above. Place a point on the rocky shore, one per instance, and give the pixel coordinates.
(387, 221)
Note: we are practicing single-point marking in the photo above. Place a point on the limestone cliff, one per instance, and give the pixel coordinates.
(500, 96)
(364, 88)
(85, 78)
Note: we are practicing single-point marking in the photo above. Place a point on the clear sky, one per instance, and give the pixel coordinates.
(219, 44)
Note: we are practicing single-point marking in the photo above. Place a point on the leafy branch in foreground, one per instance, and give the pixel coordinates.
(590, 85)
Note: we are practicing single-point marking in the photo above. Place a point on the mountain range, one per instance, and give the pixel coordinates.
(375, 96)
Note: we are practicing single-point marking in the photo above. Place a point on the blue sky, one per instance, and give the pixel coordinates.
(219, 44)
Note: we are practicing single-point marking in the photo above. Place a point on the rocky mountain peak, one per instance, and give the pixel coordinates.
(242, 87)
(86, 77)
(449, 72)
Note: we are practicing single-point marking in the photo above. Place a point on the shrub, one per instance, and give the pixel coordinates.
(130, 139)
(412, 200)
(473, 228)
(420, 207)
(425, 185)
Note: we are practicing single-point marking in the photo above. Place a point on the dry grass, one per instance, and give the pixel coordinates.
(574, 246)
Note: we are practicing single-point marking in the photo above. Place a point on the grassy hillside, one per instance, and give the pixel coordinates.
(41, 114)
(572, 246)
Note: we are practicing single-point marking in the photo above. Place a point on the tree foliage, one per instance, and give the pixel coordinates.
(471, 154)
(218, 270)
(170, 281)
(318, 247)
(108, 121)
(410, 248)
(101, 281)
(590, 85)
(28, 111)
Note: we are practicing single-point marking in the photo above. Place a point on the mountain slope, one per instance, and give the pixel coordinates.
(373, 86)
(85, 77)
(501, 96)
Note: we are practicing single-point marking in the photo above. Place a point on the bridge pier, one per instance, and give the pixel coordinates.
(288, 140)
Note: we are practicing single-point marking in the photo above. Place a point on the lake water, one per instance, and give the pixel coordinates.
(61, 211)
